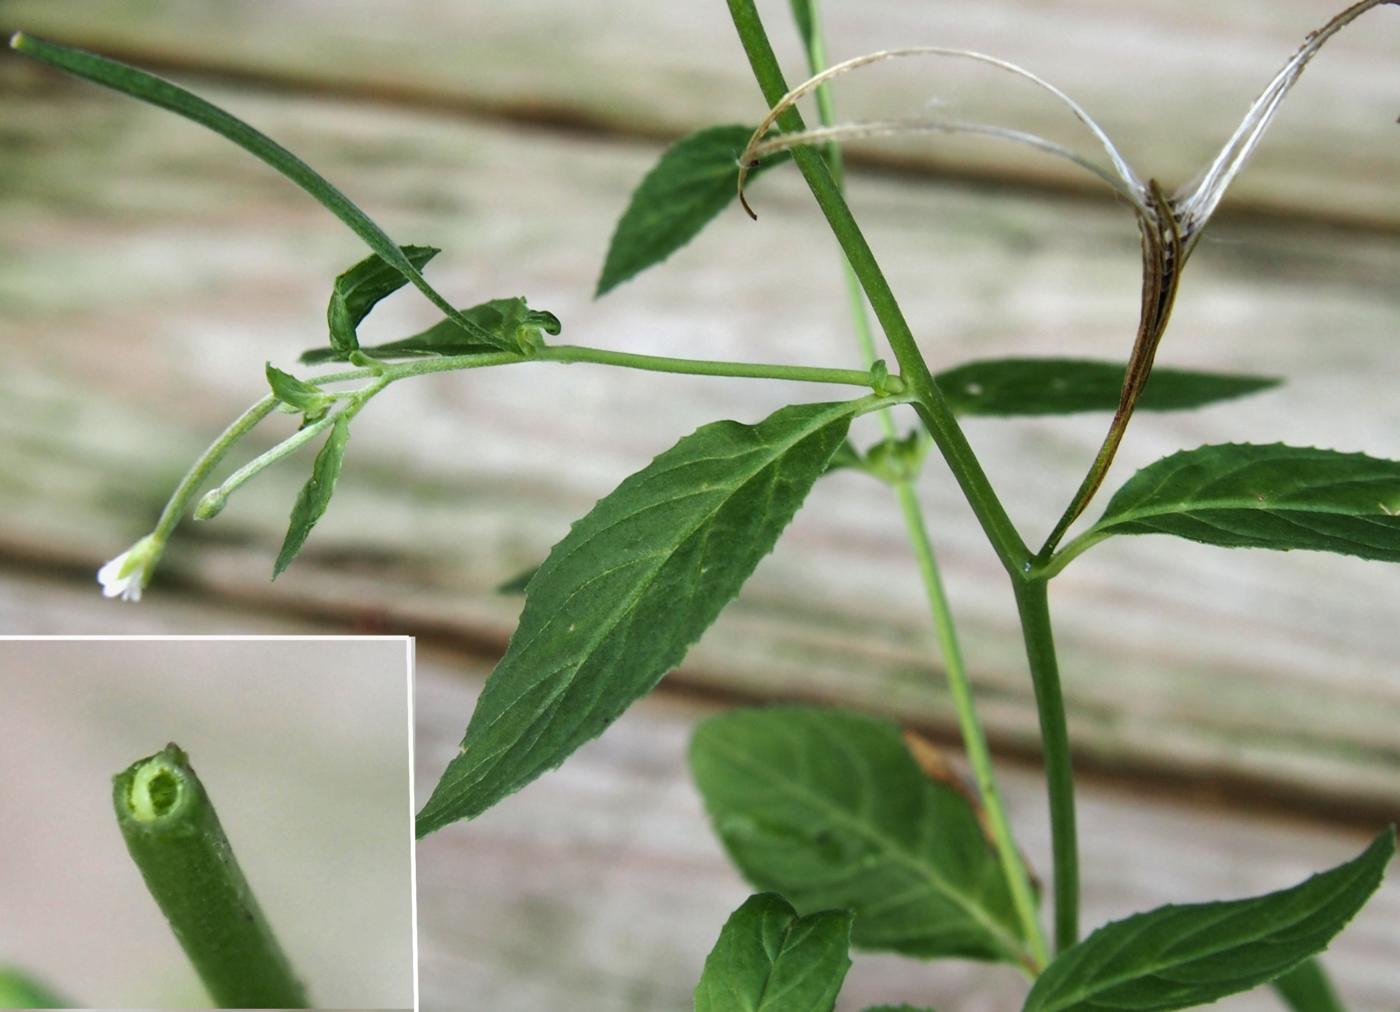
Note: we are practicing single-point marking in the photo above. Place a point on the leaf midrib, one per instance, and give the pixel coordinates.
(605, 629)
(970, 906)
(1153, 969)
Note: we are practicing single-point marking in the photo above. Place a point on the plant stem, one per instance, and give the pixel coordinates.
(1032, 601)
(974, 739)
(945, 629)
(701, 367)
(930, 404)
(174, 836)
(199, 472)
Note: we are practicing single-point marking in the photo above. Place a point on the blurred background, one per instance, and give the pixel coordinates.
(1233, 713)
(303, 748)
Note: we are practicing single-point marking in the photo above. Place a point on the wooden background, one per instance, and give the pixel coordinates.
(1234, 713)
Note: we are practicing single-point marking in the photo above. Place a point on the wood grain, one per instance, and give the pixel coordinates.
(149, 270)
(1169, 79)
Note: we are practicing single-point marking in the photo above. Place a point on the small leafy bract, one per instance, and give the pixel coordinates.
(1179, 956)
(512, 321)
(768, 959)
(159, 92)
(1281, 497)
(1062, 386)
(315, 495)
(357, 291)
(830, 809)
(298, 395)
(619, 601)
(696, 179)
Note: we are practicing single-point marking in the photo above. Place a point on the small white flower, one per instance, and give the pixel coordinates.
(127, 575)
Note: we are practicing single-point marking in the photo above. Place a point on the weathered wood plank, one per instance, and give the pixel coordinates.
(600, 887)
(149, 270)
(1169, 79)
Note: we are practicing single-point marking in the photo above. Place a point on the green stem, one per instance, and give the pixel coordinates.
(702, 367)
(1032, 601)
(974, 739)
(932, 407)
(198, 473)
(174, 836)
(945, 629)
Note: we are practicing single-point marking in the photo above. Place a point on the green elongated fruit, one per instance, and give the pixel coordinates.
(174, 836)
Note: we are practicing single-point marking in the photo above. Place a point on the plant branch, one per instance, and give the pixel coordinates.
(974, 738)
(174, 836)
(945, 629)
(1032, 601)
(930, 403)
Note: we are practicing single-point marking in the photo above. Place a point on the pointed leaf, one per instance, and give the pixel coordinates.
(298, 395)
(768, 959)
(696, 179)
(358, 290)
(830, 809)
(162, 93)
(315, 495)
(1281, 497)
(1062, 386)
(511, 321)
(1307, 989)
(619, 601)
(1180, 956)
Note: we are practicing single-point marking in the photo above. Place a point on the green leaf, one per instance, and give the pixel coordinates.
(1307, 989)
(162, 93)
(1179, 956)
(517, 583)
(768, 959)
(298, 395)
(359, 289)
(696, 179)
(511, 321)
(1063, 386)
(830, 809)
(315, 495)
(1280, 497)
(19, 990)
(619, 601)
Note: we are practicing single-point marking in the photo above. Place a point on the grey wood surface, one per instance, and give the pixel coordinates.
(1168, 79)
(600, 888)
(147, 269)
(148, 272)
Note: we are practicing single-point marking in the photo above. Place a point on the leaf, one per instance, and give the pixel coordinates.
(696, 179)
(1062, 386)
(517, 583)
(633, 584)
(1307, 989)
(315, 495)
(830, 809)
(1281, 497)
(306, 398)
(358, 290)
(162, 93)
(768, 959)
(513, 322)
(1179, 956)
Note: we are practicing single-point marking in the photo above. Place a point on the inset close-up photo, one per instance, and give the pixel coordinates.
(219, 823)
